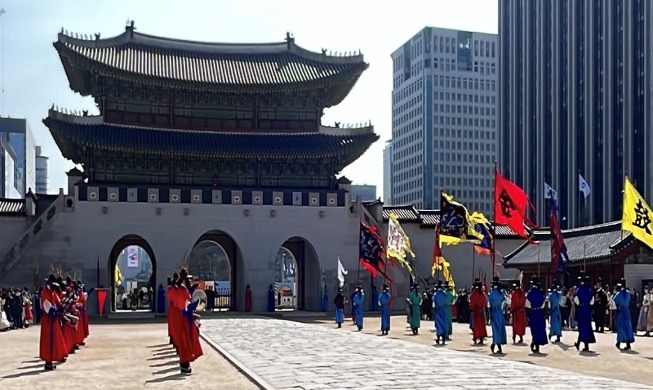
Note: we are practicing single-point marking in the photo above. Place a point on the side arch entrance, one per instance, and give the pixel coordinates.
(297, 276)
(132, 270)
(213, 263)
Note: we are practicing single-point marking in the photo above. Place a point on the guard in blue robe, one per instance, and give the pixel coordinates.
(384, 304)
(496, 300)
(359, 299)
(440, 314)
(271, 299)
(161, 300)
(584, 300)
(623, 321)
(555, 315)
(535, 301)
(339, 303)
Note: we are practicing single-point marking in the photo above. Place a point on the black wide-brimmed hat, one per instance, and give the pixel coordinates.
(535, 281)
(439, 284)
(385, 287)
(621, 283)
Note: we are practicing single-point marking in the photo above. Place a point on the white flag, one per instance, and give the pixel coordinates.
(341, 273)
(583, 186)
(549, 192)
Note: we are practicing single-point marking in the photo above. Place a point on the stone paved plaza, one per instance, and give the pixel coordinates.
(293, 355)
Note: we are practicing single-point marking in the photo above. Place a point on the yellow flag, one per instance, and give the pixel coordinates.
(637, 215)
(117, 276)
(398, 246)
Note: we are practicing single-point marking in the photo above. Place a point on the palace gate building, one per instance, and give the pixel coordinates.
(198, 142)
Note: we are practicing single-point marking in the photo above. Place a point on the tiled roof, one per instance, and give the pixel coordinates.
(12, 207)
(209, 63)
(588, 244)
(72, 136)
(429, 218)
(406, 213)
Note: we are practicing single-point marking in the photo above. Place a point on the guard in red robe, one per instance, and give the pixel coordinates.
(27, 301)
(80, 304)
(189, 347)
(518, 309)
(170, 308)
(84, 312)
(60, 292)
(52, 347)
(69, 327)
(174, 315)
(478, 303)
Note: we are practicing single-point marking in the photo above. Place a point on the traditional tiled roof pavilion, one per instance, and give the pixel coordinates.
(176, 112)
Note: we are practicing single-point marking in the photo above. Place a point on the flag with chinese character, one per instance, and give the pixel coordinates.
(511, 206)
(398, 246)
(371, 250)
(558, 247)
(637, 215)
(455, 222)
(439, 263)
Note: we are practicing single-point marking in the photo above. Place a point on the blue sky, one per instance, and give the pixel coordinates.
(34, 79)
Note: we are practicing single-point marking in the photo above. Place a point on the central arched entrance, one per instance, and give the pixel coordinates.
(297, 276)
(212, 263)
(132, 267)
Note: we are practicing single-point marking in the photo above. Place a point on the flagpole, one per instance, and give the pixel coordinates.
(494, 218)
(623, 192)
(437, 236)
(538, 261)
(579, 212)
(584, 257)
(358, 263)
(473, 261)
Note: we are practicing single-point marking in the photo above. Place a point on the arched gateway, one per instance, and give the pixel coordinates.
(132, 270)
(212, 263)
(297, 276)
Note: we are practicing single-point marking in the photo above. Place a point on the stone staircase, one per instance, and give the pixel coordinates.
(41, 221)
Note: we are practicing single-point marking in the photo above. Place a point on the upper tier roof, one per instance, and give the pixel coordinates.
(73, 134)
(216, 64)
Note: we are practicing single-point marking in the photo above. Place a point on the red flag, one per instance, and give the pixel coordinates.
(511, 206)
(101, 299)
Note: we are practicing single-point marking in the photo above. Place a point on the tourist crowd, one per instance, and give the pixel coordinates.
(17, 308)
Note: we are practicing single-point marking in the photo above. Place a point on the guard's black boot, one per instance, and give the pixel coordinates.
(339, 325)
(49, 367)
(521, 339)
(577, 345)
(499, 348)
(618, 345)
(492, 348)
(558, 339)
(627, 347)
(587, 348)
(514, 339)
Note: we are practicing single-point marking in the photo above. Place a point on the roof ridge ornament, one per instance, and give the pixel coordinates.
(290, 39)
(130, 28)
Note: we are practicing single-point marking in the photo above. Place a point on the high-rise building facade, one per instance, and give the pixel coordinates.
(387, 173)
(444, 118)
(365, 191)
(576, 96)
(18, 158)
(41, 172)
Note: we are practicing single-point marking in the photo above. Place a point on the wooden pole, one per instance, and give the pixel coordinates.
(584, 257)
(473, 262)
(538, 261)
(579, 212)
(494, 217)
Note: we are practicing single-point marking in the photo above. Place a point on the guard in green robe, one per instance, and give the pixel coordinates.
(451, 298)
(415, 301)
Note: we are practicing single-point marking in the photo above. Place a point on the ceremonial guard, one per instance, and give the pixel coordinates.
(518, 309)
(496, 300)
(535, 301)
(555, 315)
(584, 300)
(339, 303)
(623, 321)
(188, 345)
(384, 304)
(174, 315)
(358, 300)
(439, 314)
(27, 305)
(415, 303)
(52, 347)
(478, 303)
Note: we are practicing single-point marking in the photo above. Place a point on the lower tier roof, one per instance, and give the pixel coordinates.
(74, 136)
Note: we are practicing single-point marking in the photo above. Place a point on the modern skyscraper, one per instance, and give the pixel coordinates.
(387, 173)
(575, 97)
(444, 118)
(18, 158)
(365, 191)
(41, 172)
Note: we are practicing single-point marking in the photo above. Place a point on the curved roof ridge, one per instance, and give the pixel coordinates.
(76, 118)
(131, 36)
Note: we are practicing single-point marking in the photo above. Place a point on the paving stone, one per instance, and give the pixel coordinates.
(294, 355)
